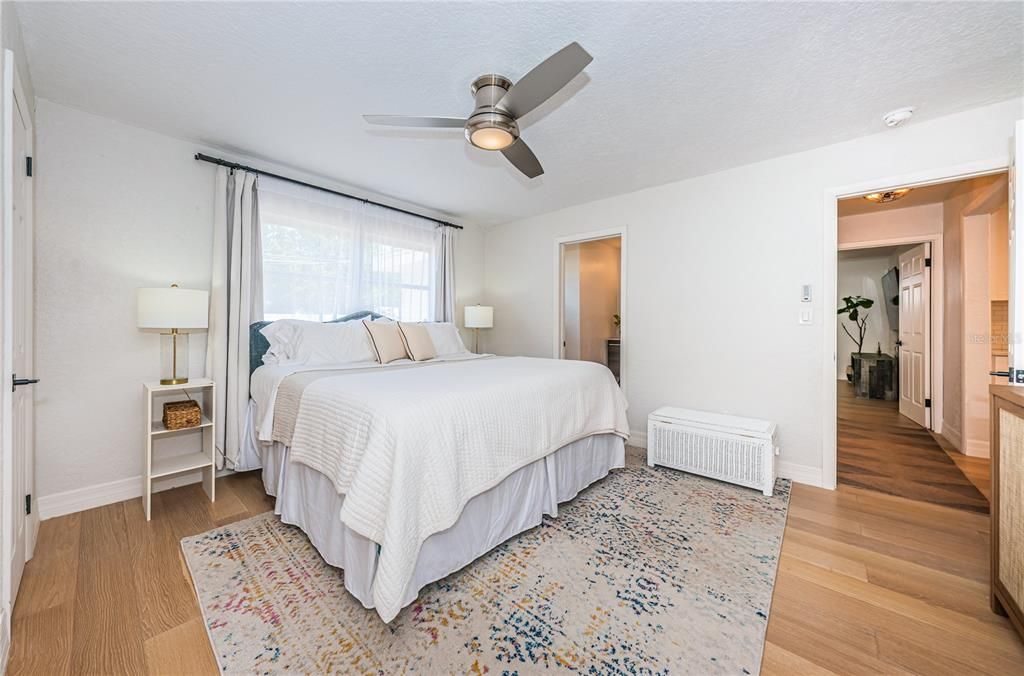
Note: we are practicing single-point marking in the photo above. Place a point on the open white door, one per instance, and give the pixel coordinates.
(20, 516)
(1016, 304)
(915, 342)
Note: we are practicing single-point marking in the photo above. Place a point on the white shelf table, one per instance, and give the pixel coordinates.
(161, 464)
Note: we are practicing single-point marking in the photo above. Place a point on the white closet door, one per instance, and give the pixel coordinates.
(17, 413)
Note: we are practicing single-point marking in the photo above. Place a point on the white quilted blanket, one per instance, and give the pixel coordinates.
(408, 448)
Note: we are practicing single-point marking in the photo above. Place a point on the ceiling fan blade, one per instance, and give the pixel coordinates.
(410, 121)
(523, 159)
(545, 79)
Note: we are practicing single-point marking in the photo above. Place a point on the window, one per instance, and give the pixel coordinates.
(326, 256)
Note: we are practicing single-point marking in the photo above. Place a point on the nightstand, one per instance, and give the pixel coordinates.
(164, 462)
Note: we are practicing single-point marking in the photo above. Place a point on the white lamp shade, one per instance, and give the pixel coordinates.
(479, 317)
(173, 308)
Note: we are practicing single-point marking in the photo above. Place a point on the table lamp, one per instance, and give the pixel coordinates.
(174, 312)
(478, 317)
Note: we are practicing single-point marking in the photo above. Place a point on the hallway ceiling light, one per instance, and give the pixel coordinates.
(887, 196)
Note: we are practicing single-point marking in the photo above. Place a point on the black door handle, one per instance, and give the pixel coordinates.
(15, 381)
(1001, 374)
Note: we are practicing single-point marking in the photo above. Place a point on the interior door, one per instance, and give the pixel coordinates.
(1016, 298)
(18, 422)
(914, 342)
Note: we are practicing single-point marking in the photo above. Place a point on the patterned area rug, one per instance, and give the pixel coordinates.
(649, 571)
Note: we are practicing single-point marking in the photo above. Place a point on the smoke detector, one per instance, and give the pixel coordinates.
(895, 118)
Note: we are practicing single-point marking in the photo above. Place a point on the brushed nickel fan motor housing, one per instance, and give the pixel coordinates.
(488, 90)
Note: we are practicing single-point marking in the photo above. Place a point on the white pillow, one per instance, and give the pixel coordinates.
(278, 334)
(446, 338)
(315, 343)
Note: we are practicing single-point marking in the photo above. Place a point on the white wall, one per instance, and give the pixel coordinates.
(599, 298)
(119, 208)
(715, 268)
(919, 221)
(954, 208)
(590, 296)
(976, 350)
(999, 254)
(862, 276)
(979, 214)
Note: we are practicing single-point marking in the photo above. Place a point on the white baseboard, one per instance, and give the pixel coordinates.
(952, 435)
(802, 474)
(81, 499)
(977, 448)
(638, 438)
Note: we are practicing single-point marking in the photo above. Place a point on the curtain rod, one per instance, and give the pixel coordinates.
(234, 165)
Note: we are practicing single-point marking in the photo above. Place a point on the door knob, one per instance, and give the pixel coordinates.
(15, 381)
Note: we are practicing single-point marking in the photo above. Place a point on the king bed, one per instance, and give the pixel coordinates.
(403, 472)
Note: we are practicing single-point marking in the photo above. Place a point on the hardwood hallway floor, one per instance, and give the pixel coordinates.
(881, 450)
(867, 583)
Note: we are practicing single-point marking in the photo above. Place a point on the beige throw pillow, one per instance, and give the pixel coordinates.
(417, 341)
(387, 341)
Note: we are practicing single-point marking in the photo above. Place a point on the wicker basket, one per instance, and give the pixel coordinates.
(181, 414)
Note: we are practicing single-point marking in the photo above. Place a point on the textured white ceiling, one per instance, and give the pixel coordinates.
(675, 89)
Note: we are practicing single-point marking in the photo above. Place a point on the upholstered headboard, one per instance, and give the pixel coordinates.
(258, 343)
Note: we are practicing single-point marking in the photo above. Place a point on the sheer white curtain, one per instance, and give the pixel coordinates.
(236, 300)
(325, 256)
(445, 291)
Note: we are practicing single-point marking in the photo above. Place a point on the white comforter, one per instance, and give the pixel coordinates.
(266, 379)
(409, 447)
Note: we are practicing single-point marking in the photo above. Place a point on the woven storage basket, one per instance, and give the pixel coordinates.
(181, 414)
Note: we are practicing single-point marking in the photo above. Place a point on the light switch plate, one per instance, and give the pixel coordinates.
(806, 315)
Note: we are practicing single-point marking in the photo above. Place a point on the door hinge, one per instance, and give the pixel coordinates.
(28, 504)
(28, 166)
(927, 262)
(927, 403)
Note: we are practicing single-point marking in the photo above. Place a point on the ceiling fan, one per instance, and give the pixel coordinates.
(499, 104)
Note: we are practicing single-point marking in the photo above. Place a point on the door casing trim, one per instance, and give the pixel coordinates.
(830, 261)
(557, 329)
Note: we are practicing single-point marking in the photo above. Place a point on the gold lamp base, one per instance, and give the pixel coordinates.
(173, 366)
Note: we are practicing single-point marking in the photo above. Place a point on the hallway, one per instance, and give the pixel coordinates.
(881, 450)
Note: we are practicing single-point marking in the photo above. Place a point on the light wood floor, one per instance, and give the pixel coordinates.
(867, 583)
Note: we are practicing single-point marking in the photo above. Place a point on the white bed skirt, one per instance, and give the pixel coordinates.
(307, 499)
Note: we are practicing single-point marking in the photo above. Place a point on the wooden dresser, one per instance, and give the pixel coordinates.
(1007, 422)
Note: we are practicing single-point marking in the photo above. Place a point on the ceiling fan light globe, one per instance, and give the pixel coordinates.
(491, 138)
(491, 129)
